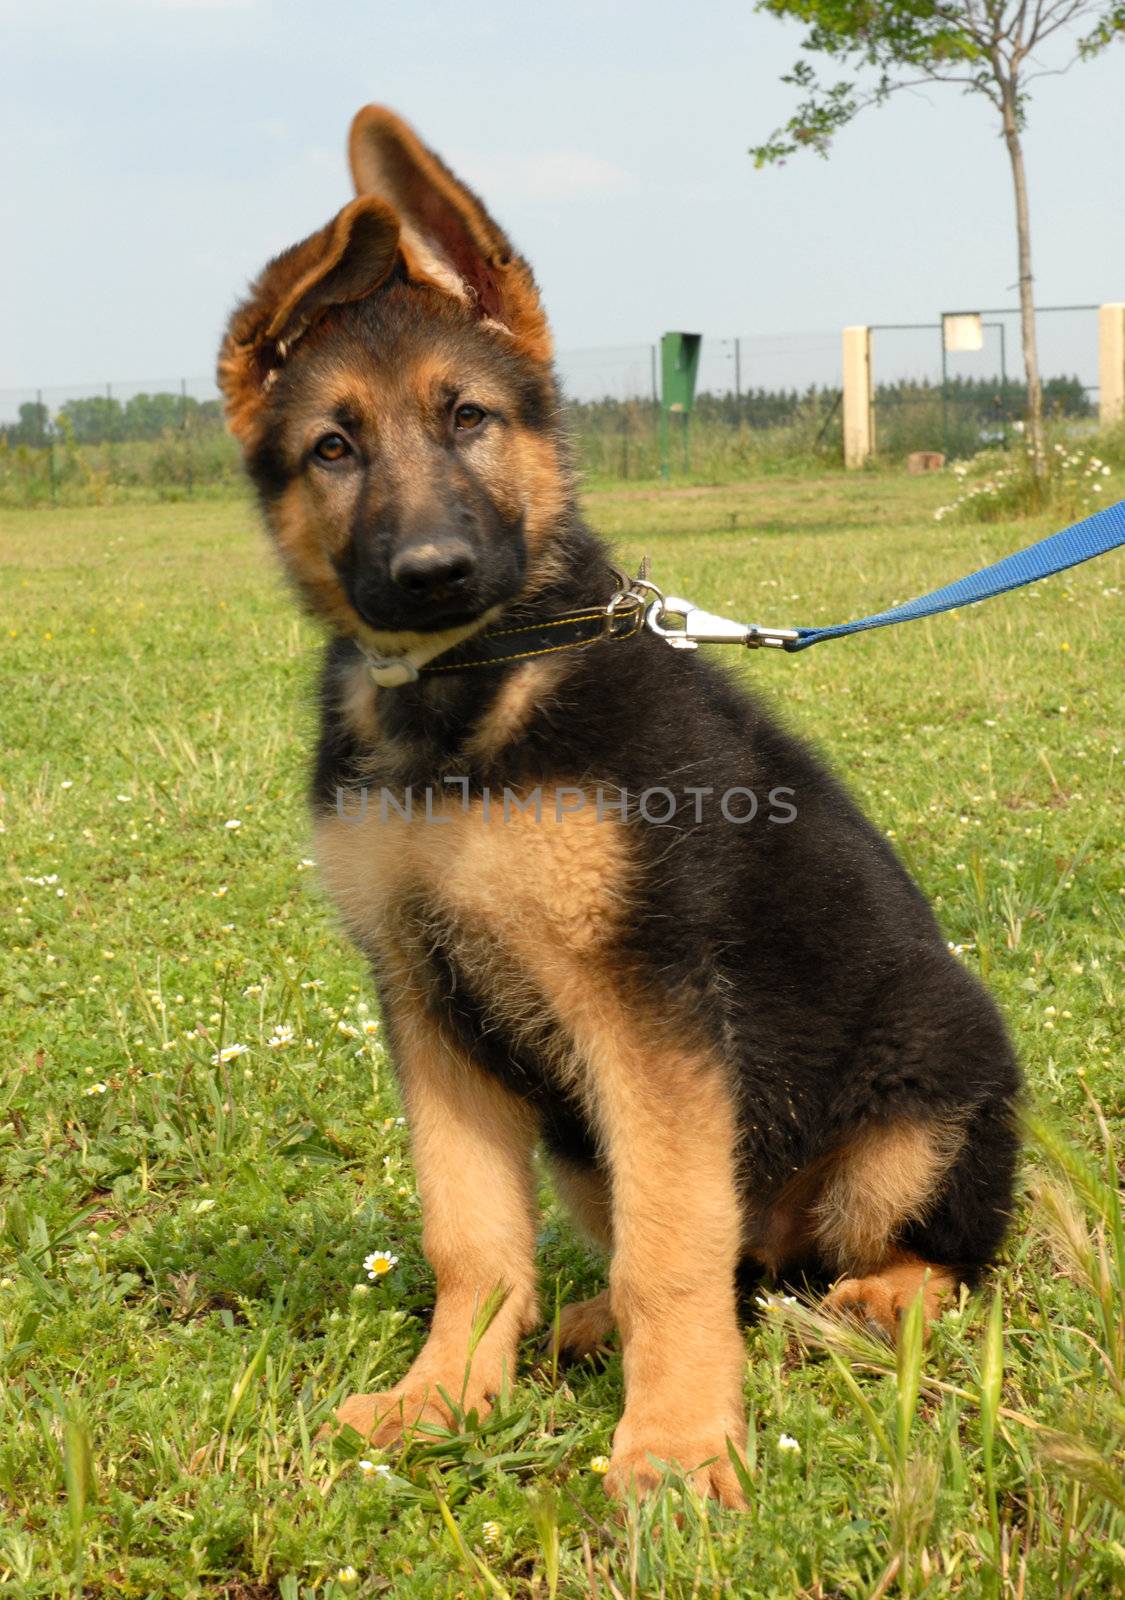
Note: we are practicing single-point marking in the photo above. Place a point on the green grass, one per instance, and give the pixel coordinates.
(181, 1242)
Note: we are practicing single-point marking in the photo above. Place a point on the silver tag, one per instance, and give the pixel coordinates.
(391, 672)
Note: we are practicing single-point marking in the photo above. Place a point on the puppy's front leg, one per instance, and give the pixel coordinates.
(669, 1128)
(472, 1144)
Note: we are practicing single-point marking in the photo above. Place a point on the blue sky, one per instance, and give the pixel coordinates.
(156, 152)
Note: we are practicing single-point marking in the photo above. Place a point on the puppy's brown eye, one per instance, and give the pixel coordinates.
(468, 417)
(333, 447)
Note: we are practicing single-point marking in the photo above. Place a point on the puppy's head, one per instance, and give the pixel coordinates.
(390, 381)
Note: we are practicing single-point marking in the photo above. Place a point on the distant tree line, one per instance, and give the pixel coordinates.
(103, 419)
(979, 399)
(985, 397)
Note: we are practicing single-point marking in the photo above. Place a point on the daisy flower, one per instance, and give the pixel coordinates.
(774, 1302)
(786, 1441)
(378, 1264)
(281, 1036)
(97, 1088)
(374, 1469)
(229, 1052)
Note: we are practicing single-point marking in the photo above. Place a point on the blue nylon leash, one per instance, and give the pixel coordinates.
(638, 603)
(1093, 536)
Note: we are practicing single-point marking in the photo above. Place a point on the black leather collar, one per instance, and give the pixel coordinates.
(498, 645)
(622, 618)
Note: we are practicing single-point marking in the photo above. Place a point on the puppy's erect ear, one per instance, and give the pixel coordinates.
(448, 238)
(345, 261)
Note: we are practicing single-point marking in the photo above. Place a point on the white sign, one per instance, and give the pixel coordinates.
(961, 330)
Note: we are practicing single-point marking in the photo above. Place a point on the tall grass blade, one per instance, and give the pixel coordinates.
(991, 1381)
(545, 1515)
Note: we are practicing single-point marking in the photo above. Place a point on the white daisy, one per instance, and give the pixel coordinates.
(379, 1263)
(229, 1052)
(774, 1302)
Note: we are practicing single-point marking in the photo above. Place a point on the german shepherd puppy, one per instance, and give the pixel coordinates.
(734, 1039)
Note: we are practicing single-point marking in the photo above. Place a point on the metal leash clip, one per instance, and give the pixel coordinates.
(626, 611)
(680, 623)
(685, 627)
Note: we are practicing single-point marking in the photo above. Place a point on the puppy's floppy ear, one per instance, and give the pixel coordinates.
(345, 261)
(448, 238)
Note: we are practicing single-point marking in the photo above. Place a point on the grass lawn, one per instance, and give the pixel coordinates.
(182, 1298)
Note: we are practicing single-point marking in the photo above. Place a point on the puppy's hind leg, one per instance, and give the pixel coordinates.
(924, 1185)
(881, 1183)
(918, 1205)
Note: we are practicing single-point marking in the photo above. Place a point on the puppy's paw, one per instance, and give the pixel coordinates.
(383, 1419)
(881, 1299)
(641, 1456)
(584, 1327)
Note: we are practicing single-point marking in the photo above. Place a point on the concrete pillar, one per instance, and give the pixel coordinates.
(859, 407)
(1111, 363)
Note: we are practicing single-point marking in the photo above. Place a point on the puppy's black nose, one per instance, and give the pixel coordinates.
(433, 570)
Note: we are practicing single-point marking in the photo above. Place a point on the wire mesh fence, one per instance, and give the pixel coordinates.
(776, 395)
(761, 400)
(758, 397)
(960, 402)
(84, 441)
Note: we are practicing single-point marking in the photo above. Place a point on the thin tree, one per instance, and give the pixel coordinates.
(988, 47)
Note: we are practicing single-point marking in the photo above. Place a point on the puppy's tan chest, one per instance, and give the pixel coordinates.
(541, 880)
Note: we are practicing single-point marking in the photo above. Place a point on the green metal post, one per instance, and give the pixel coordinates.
(679, 367)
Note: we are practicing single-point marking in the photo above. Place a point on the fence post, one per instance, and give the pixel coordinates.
(190, 474)
(1111, 363)
(859, 411)
(49, 441)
